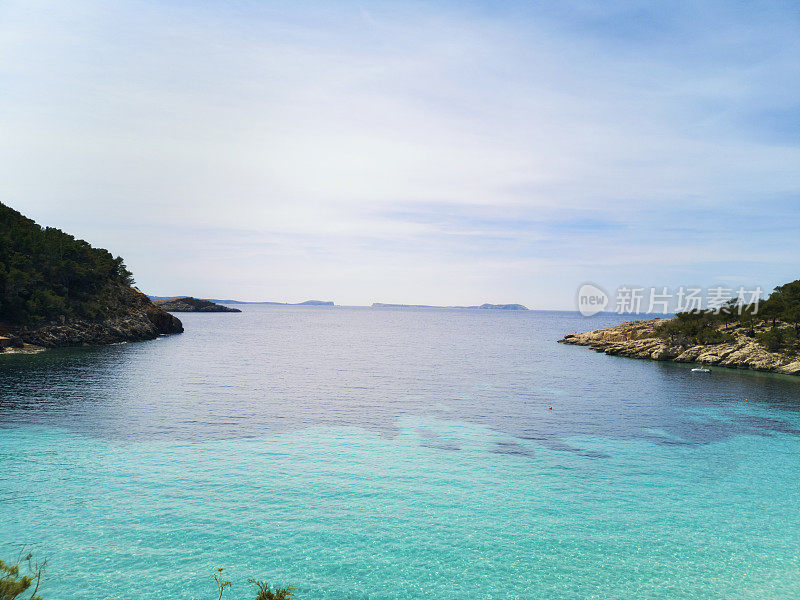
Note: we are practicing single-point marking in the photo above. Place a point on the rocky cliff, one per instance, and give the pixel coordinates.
(639, 339)
(131, 318)
(189, 304)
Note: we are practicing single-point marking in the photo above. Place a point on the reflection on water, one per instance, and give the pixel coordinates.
(277, 369)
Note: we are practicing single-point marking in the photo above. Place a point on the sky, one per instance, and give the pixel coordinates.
(412, 152)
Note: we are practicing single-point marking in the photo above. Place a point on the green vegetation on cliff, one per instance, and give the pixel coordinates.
(56, 290)
(46, 273)
(775, 322)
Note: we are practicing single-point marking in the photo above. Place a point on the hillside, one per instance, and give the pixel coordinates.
(56, 290)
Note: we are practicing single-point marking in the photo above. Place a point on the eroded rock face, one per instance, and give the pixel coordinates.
(131, 316)
(637, 339)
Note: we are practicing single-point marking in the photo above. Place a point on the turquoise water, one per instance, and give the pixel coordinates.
(397, 454)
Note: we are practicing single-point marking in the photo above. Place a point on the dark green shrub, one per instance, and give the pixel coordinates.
(265, 592)
(714, 336)
(772, 338)
(687, 329)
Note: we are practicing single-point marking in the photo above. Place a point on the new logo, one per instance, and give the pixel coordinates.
(591, 299)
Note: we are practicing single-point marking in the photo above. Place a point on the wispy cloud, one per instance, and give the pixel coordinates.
(412, 152)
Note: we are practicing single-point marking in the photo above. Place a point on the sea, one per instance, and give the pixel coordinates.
(396, 453)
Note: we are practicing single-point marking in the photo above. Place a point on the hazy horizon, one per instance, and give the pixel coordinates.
(418, 153)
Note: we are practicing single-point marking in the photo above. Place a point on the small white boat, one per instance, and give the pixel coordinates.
(701, 370)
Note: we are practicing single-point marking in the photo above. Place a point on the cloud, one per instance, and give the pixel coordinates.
(408, 152)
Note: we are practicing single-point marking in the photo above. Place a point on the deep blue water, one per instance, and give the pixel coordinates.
(397, 453)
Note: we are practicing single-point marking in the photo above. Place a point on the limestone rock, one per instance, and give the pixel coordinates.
(638, 339)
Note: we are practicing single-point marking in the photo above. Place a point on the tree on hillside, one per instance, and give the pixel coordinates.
(782, 308)
(46, 273)
(784, 304)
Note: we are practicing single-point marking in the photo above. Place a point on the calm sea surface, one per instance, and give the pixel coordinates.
(387, 453)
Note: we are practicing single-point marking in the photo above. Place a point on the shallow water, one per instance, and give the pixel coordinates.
(363, 453)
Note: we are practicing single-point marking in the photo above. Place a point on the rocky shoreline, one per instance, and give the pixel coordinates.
(638, 339)
(134, 318)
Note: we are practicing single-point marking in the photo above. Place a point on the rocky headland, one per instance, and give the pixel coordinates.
(56, 290)
(642, 339)
(133, 318)
(189, 304)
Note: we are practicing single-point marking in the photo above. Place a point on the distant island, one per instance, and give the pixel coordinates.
(56, 290)
(738, 337)
(189, 304)
(482, 306)
(218, 301)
